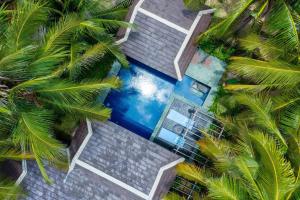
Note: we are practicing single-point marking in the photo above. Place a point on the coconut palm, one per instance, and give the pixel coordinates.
(276, 72)
(42, 61)
(273, 49)
(10, 191)
(253, 168)
(260, 112)
(277, 18)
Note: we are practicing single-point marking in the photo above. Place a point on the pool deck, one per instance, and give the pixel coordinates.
(205, 69)
(208, 70)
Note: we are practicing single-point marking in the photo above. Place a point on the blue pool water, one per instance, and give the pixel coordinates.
(138, 105)
(192, 90)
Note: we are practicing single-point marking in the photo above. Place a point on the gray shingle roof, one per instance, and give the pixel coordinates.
(154, 44)
(164, 32)
(118, 153)
(172, 10)
(81, 184)
(125, 156)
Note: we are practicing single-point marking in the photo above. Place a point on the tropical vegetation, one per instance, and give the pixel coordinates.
(8, 190)
(250, 164)
(54, 58)
(259, 156)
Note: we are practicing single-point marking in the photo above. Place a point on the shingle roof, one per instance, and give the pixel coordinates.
(172, 10)
(114, 151)
(125, 155)
(154, 44)
(81, 184)
(164, 35)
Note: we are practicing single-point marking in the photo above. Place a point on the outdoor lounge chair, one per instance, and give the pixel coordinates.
(180, 119)
(171, 137)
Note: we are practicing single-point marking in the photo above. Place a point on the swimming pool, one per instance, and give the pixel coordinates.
(192, 90)
(139, 104)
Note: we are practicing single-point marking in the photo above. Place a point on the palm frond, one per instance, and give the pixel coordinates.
(248, 168)
(173, 196)
(267, 50)
(291, 99)
(283, 27)
(260, 108)
(290, 126)
(275, 175)
(34, 132)
(26, 19)
(227, 188)
(87, 59)
(279, 74)
(224, 27)
(59, 35)
(12, 154)
(91, 27)
(112, 48)
(10, 191)
(3, 21)
(75, 92)
(115, 50)
(192, 173)
(117, 11)
(90, 111)
(111, 23)
(250, 88)
(217, 150)
(14, 65)
(45, 64)
(4, 110)
(262, 9)
(84, 86)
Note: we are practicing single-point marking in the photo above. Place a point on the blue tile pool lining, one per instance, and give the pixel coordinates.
(138, 105)
(140, 102)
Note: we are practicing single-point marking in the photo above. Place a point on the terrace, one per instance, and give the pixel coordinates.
(164, 98)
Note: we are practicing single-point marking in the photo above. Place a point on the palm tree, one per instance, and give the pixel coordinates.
(265, 102)
(42, 61)
(277, 18)
(259, 112)
(8, 190)
(268, 66)
(253, 168)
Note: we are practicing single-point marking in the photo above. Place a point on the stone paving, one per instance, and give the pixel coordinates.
(208, 70)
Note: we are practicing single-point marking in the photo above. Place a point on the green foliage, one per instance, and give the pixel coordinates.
(217, 49)
(47, 52)
(258, 103)
(257, 169)
(225, 27)
(194, 4)
(8, 190)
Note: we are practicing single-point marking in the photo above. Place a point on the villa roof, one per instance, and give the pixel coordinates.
(114, 164)
(80, 184)
(164, 34)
